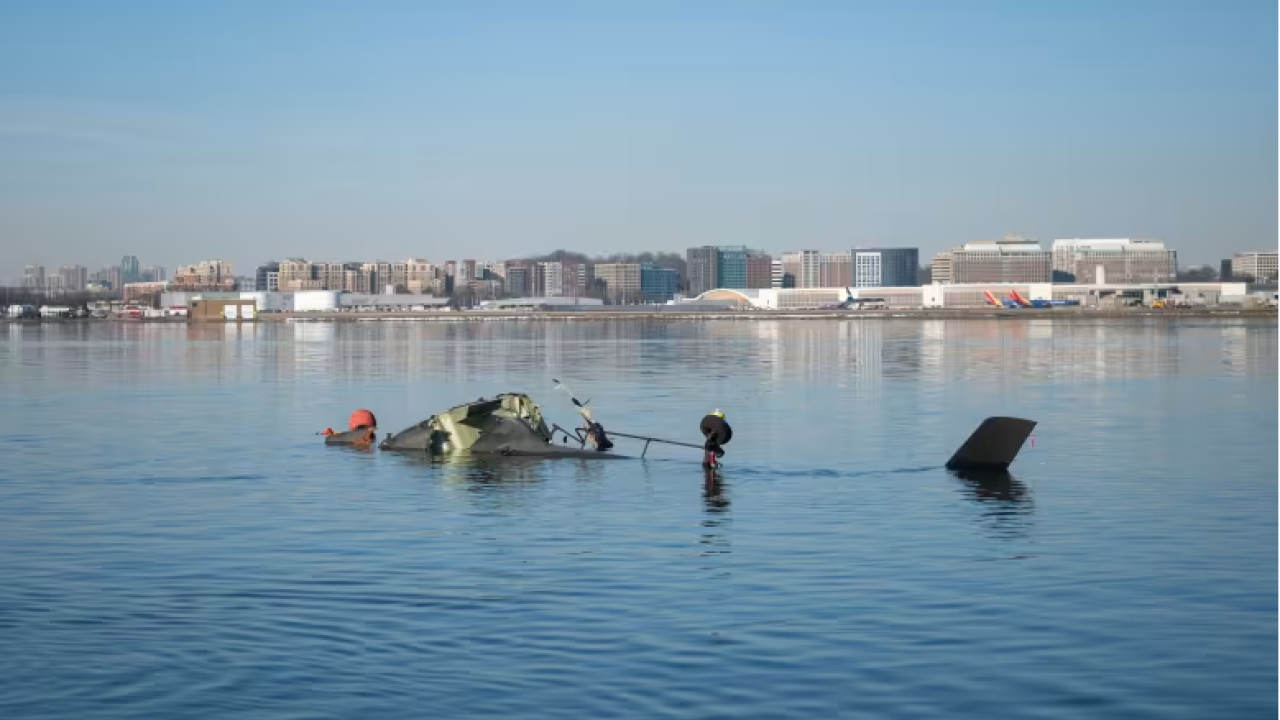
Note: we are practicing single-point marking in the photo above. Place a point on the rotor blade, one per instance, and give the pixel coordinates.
(572, 398)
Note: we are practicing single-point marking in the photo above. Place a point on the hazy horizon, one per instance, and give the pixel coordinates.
(340, 132)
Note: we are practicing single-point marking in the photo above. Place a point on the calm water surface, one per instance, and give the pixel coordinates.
(176, 542)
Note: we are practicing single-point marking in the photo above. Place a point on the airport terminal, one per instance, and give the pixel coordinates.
(959, 296)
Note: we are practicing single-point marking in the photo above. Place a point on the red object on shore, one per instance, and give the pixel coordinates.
(362, 418)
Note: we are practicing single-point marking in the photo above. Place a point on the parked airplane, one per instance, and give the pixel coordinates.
(1008, 303)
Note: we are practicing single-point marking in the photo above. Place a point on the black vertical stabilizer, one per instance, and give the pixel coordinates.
(994, 445)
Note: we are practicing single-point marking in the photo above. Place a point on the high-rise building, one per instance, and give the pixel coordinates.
(658, 285)
(154, 273)
(1256, 266)
(260, 276)
(551, 279)
(129, 269)
(701, 264)
(621, 282)
(33, 278)
(518, 280)
(710, 267)
(835, 269)
(777, 273)
(759, 270)
(940, 270)
(214, 275)
(1113, 261)
(885, 267)
(357, 278)
(112, 278)
(74, 278)
(805, 266)
(1226, 272)
(576, 279)
(297, 274)
(420, 275)
(731, 267)
(1012, 260)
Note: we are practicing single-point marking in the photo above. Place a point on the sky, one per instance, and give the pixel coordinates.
(351, 131)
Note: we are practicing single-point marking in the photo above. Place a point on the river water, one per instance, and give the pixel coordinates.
(176, 541)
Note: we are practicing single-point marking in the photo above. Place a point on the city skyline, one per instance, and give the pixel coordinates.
(415, 130)
(924, 260)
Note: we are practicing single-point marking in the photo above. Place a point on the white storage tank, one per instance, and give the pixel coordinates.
(315, 301)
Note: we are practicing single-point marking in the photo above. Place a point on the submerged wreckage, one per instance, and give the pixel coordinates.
(513, 425)
(509, 424)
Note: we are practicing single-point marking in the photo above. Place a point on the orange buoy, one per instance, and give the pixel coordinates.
(362, 418)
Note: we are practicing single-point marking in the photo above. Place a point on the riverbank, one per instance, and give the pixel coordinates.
(921, 314)
(1056, 314)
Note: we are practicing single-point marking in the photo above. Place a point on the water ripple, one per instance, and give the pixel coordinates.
(194, 552)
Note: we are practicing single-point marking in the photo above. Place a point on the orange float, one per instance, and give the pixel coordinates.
(362, 418)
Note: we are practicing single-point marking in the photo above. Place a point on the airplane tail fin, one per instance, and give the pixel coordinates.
(994, 445)
(991, 298)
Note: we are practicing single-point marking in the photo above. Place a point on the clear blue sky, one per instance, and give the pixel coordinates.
(351, 131)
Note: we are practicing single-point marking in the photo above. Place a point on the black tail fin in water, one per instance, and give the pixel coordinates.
(994, 445)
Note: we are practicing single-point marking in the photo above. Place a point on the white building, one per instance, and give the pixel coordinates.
(1110, 260)
(804, 265)
(552, 278)
(1258, 266)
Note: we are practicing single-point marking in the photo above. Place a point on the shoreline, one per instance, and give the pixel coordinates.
(1056, 314)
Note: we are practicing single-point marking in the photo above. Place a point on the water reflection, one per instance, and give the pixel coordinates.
(856, 354)
(715, 500)
(715, 496)
(1005, 503)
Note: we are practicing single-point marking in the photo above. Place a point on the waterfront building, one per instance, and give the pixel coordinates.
(885, 267)
(1010, 260)
(260, 279)
(74, 278)
(419, 276)
(205, 275)
(700, 263)
(759, 270)
(550, 279)
(940, 269)
(835, 269)
(622, 282)
(144, 291)
(129, 269)
(725, 266)
(33, 278)
(1113, 260)
(658, 285)
(1255, 266)
(803, 265)
(731, 269)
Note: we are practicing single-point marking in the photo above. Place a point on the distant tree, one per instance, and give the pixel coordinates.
(1203, 273)
(673, 261)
